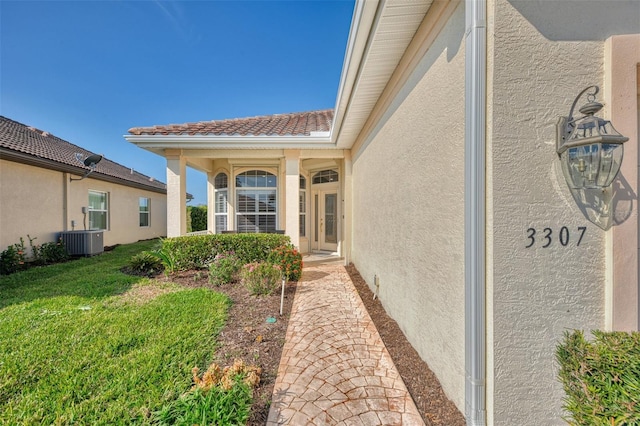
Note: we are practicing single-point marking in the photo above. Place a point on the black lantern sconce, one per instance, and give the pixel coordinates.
(589, 147)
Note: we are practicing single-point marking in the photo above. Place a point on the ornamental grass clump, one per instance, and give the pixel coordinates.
(289, 259)
(261, 278)
(144, 263)
(218, 397)
(224, 268)
(601, 378)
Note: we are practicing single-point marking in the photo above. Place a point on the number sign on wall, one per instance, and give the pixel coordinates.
(548, 237)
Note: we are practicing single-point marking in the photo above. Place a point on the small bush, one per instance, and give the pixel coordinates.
(167, 260)
(48, 253)
(13, 259)
(224, 269)
(601, 379)
(145, 263)
(289, 259)
(220, 397)
(261, 278)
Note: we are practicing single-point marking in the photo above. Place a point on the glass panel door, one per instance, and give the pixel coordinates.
(330, 218)
(327, 220)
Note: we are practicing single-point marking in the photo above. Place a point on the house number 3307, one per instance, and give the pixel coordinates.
(547, 236)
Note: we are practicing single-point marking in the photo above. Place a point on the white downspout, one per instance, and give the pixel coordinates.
(474, 204)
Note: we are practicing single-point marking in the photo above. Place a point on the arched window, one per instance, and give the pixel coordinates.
(325, 176)
(303, 206)
(256, 201)
(221, 184)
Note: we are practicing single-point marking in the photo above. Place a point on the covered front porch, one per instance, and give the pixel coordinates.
(304, 193)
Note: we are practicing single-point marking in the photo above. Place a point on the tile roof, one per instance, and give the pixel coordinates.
(294, 124)
(60, 154)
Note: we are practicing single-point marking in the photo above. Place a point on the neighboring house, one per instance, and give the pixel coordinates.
(437, 172)
(41, 194)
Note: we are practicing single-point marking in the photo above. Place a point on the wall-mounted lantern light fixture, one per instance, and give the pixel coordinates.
(590, 149)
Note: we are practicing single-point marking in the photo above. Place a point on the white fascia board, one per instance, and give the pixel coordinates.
(155, 142)
(364, 15)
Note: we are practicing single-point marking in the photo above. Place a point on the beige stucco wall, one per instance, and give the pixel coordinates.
(408, 211)
(540, 59)
(124, 225)
(32, 201)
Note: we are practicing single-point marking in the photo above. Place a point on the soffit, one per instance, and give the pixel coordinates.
(392, 30)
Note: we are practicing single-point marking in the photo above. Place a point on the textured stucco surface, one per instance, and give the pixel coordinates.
(32, 202)
(408, 216)
(536, 293)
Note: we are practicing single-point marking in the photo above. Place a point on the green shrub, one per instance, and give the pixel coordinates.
(13, 259)
(289, 259)
(54, 252)
(601, 378)
(48, 253)
(167, 260)
(198, 251)
(220, 397)
(145, 263)
(224, 268)
(198, 215)
(261, 277)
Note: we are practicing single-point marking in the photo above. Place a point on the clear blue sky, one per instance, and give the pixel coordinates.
(87, 71)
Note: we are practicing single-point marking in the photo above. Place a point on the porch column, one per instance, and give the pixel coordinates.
(176, 193)
(346, 213)
(211, 200)
(292, 191)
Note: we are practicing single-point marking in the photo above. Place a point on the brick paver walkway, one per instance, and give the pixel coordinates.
(334, 369)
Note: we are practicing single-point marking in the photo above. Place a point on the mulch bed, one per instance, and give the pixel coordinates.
(423, 385)
(248, 336)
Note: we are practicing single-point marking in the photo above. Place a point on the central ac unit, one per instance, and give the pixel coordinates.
(83, 243)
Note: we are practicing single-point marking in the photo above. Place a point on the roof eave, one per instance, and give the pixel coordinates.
(31, 160)
(158, 143)
(364, 16)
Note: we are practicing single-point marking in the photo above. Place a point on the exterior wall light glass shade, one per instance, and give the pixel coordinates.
(589, 147)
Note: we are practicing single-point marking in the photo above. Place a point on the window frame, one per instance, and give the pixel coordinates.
(146, 212)
(265, 183)
(105, 211)
(325, 176)
(221, 191)
(302, 200)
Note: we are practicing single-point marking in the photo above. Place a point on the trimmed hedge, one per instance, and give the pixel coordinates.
(197, 251)
(601, 378)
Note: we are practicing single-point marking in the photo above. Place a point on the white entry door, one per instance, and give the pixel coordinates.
(327, 220)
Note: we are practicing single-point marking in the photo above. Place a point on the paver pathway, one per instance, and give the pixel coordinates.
(335, 369)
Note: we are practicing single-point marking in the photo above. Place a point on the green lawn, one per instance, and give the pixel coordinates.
(83, 343)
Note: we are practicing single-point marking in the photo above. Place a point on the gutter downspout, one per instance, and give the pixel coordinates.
(474, 202)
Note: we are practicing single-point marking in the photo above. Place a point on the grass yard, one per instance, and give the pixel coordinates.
(83, 343)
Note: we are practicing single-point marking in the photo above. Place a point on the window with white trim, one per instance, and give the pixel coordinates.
(256, 201)
(325, 176)
(98, 210)
(303, 206)
(144, 205)
(221, 184)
